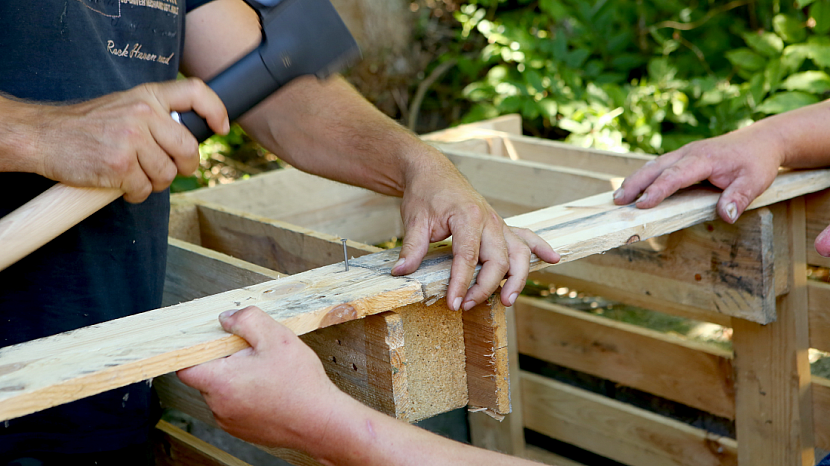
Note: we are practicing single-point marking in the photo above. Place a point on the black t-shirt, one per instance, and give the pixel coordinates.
(112, 264)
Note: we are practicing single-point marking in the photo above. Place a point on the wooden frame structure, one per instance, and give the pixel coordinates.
(273, 241)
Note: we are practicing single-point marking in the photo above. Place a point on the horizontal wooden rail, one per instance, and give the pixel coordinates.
(55, 370)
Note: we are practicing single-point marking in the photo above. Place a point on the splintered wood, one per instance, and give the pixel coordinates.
(55, 370)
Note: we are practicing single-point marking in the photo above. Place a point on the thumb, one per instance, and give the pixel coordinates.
(414, 248)
(737, 197)
(252, 324)
(823, 242)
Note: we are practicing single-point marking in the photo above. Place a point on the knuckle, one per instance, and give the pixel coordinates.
(466, 254)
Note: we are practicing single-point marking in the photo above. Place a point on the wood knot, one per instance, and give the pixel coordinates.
(633, 239)
(284, 289)
(339, 314)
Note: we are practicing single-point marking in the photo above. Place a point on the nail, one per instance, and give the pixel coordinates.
(618, 193)
(642, 198)
(469, 305)
(399, 264)
(732, 211)
(227, 314)
(345, 254)
(512, 298)
(227, 126)
(456, 304)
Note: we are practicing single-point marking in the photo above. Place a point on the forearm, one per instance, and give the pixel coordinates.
(802, 135)
(357, 435)
(18, 136)
(328, 129)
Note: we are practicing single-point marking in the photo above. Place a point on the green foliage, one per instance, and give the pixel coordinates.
(647, 75)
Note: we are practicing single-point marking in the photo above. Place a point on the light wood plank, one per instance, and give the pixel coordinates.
(694, 374)
(511, 124)
(273, 244)
(818, 218)
(818, 296)
(543, 456)
(714, 266)
(773, 402)
(506, 435)
(617, 430)
(485, 343)
(50, 371)
(184, 220)
(179, 448)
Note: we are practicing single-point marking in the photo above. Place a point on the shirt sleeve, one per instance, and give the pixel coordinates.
(191, 5)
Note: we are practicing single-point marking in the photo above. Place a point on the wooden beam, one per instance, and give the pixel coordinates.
(504, 435)
(821, 412)
(175, 447)
(487, 367)
(818, 218)
(616, 430)
(774, 419)
(818, 297)
(279, 246)
(691, 373)
(51, 371)
(714, 266)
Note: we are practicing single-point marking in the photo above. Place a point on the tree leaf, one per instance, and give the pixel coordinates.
(789, 28)
(765, 43)
(803, 3)
(786, 101)
(820, 11)
(814, 82)
(746, 59)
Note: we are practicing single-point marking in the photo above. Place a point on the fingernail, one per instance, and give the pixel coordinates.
(227, 126)
(399, 264)
(227, 314)
(642, 198)
(732, 211)
(456, 304)
(469, 305)
(512, 298)
(618, 193)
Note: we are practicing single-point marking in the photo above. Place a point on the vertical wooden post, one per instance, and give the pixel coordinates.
(773, 401)
(506, 436)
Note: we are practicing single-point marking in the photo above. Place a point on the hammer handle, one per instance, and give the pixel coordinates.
(42, 219)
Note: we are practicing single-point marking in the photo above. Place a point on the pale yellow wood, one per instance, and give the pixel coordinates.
(774, 420)
(511, 124)
(691, 373)
(506, 435)
(179, 448)
(617, 430)
(485, 342)
(273, 244)
(42, 219)
(818, 218)
(55, 370)
(184, 220)
(818, 296)
(714, 266)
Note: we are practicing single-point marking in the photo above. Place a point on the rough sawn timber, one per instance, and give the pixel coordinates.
(62, 368)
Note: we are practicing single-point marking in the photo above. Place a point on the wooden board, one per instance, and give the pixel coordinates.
(487, 367)
(818, 218)
(714, 266)
(774, 422)
(273, 244)
(694, 374)
(175, 447)
(50, 371)
(821, 411)
(616, 430)
(818, 300)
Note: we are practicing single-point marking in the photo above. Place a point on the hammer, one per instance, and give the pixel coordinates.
(299, 38)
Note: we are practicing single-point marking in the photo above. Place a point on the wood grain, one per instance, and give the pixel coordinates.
(487, 367)
(693, 374)
(175, 447)
(616, 430)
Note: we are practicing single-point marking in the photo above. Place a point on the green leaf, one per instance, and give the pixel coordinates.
(765, 43)
(627, 61)
(510, 104)
(184, 183)
(746, 59)
(789, 28)
(820, 11)
(529, 109)
(554, 8)
(535, 80)
(548, 108)
(786, 101)
(772, 75)
(756, 89)
(576, 58)
(814, 82)
(803, 3)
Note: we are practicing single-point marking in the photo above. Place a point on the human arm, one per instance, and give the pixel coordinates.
(743, 163)
(328, 129)
(125, 140)
(296, 406)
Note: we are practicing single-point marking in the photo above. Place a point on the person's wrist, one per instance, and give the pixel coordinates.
(21, 151)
